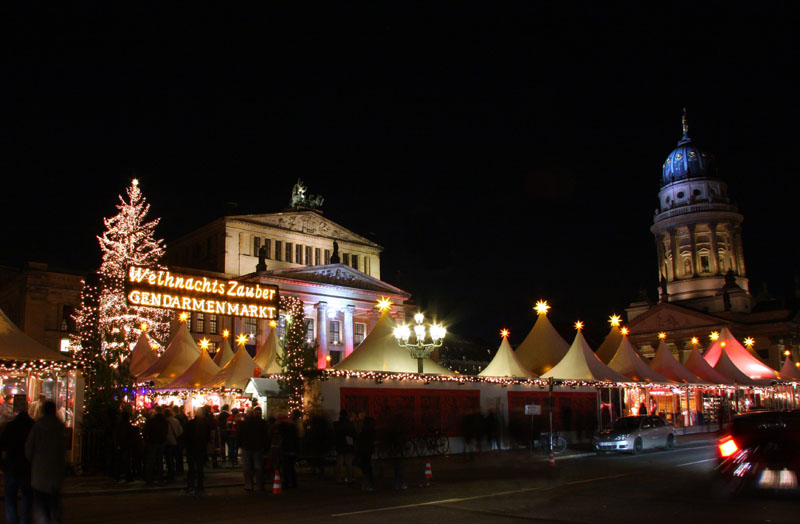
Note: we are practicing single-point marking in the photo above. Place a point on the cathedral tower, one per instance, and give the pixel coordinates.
(698, 235)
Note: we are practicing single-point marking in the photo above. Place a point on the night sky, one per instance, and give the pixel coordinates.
(500, 155)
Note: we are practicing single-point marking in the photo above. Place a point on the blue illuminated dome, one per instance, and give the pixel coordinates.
(688, 161)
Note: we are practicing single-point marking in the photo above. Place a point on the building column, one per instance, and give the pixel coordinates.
(737, 241)
(662, 268)
(348, 329)
(322, 335)
(692, 228)
(676, 263)
(714, 258)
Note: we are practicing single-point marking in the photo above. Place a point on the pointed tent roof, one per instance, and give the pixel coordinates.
(224, 353)
(181, 353)
(610, 345)
(789, 371)
(700, 367)
(236, 373)
(267, 356)
(664, 362)
(379, 351)
(543, 348)
(726, 367)
(16, 345)
(739, 356)
(628, 362)
(505, 364)
(142, 356)
(581, 363)
(197, 374)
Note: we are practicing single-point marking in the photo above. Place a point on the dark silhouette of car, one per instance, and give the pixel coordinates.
(760, 451)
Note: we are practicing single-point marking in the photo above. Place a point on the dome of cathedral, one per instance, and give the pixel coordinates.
(687, 160)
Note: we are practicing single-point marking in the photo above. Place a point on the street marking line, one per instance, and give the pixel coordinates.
(695, 462)
(476, 497)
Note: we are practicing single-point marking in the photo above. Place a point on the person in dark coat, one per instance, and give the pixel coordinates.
(318, 442)
(155, 441)
(366, 447)
(253, 441)
(46, 449)
(290, 440)
(222, 424)
(344, 432)
(124, 441)
(197, 439)
(180, 416)
(16, 468)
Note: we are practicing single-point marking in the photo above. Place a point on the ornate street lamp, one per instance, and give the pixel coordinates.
(420, 349)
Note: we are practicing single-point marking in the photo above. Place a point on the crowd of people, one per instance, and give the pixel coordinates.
(33, 446)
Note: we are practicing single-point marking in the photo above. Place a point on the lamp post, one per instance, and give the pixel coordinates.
(420, 349)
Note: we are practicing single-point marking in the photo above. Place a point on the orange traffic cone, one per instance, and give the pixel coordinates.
(552, 459)
(428, 473)
(276, 483)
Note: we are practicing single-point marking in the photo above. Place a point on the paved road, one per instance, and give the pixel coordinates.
(494, 487)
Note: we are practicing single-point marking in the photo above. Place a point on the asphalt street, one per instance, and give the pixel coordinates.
(658, 486)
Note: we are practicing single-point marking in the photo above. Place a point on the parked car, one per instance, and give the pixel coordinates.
(759, 451)
(635, 434)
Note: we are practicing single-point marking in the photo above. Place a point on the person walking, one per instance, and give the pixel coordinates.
(275, 443)
(174, 432)
(366, 447)
(222, 424)
(180, 416)
(155, 441)
(198, 438)
(253, 441)
(45, 448)
(232, 437)
(345, 436)
(16, 467)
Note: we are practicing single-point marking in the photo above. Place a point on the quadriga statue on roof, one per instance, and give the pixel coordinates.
(301, 199)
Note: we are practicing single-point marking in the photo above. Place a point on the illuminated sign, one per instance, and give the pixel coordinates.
(162, 288)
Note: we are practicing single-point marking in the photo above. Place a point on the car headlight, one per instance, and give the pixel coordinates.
(622, 437)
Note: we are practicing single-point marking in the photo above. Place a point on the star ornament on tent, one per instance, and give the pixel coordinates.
(384, 304)
(541, 307)
(273, 323)
(714, 335)
(695, 341)
(204, 343)
(504, 333)
(578, 325)
(226, 333)
(662, 336)
(184, 317)
(749, 341)
(624, 331)
(241, 339)
(615, 320)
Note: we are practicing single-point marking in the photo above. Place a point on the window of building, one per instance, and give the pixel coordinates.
(256, 245)
(354, 259)
(278, 250)
(327, 257)
(310, 330)
(267, 246)
(213, 347)
(212, 324)
(189, 321)
(288, 251)
(704, 267)
(346, 259)
(298, 254)
(334, 336)
(359, 332)
(309, 260)
(199, 322)
(250, 326)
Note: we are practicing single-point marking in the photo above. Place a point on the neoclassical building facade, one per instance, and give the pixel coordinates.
(334, 271)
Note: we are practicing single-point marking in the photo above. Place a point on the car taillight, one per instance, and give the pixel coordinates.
(727, 447)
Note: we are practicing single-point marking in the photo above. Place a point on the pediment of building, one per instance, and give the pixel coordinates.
(669, 317)
(337, 275)
(308, 222)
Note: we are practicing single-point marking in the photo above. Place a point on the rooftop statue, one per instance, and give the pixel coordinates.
(300, 198)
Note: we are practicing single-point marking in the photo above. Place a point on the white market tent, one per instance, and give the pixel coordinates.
(224, 353)
(543, 348)
(142, 357)
(741, 358)
(203, 370)
(506, 364)
(16, 345)
(627, 361)
(789, 371)
(665, 363)
(726, 367)
(181, 353)
(610, 345)
(379, 351)
(700, 367)
(236, 373)
(581, 363)
(267, 355)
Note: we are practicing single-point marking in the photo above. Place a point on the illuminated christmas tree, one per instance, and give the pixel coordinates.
(129, 240)
(299, 360)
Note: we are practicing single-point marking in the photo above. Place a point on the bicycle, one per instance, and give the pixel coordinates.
(554, 442)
